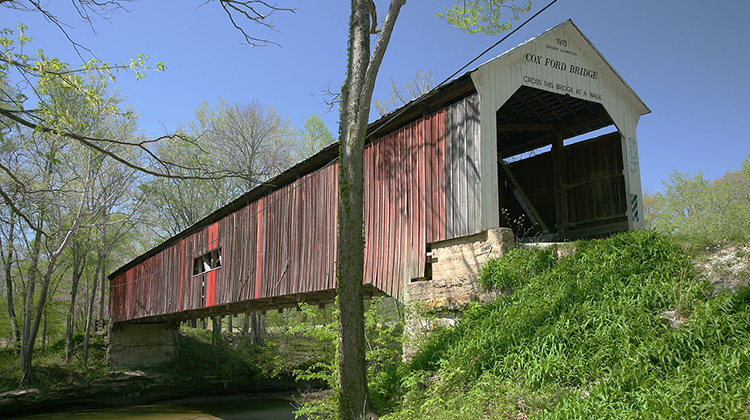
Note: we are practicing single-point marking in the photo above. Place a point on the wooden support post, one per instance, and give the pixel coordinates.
(561, 193)
(522, 198)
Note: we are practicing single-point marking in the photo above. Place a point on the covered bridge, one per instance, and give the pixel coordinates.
(451, 163)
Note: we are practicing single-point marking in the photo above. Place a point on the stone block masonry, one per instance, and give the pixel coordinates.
(455, 265)
(141, 345)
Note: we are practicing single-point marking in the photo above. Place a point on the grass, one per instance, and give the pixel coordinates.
(575, 338)
(583, 337)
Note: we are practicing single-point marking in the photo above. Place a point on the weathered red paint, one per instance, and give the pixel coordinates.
(259, 241)
(213, 231)
(285, 242)
(182, 273)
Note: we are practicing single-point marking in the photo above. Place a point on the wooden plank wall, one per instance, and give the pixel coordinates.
(462, 168)
(404, 202)
(594, 171)
(421, 186)
(593, 178)
(282, 244)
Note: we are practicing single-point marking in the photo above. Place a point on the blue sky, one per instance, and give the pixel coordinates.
(687, 60)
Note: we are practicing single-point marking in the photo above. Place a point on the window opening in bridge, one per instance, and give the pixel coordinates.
(207, 262)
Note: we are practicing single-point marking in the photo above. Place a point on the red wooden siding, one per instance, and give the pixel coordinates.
(421, 186)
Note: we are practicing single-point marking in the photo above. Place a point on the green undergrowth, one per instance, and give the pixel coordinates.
(584, 337)
(50, 369)
(201, 355)
(383, 337)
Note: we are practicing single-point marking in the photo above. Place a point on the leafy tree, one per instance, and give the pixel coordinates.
(239, 145)
(54, 184)
(704, 210)
(173, 204)
(314, 136)
(251, 142)
(487, 16)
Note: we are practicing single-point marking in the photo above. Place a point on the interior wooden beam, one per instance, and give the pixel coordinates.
(561, 194)
(582, 120)
(522, 198)
(545, 104)
(535, 139)
(525, 127)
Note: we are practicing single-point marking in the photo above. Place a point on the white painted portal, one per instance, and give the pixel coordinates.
(563, 61)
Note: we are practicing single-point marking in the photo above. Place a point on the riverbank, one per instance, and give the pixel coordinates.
(136, 388)
(244, 406)
(203, 366)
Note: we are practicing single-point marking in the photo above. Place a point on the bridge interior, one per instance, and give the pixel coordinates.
(560, 167)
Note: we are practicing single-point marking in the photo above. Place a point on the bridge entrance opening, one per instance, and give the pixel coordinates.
(560, 167)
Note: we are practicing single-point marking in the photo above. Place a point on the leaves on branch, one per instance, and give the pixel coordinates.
(487, 16)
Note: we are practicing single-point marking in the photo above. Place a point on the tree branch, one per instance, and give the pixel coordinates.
(90, 142)
(256, 11)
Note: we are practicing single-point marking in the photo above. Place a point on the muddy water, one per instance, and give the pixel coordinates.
(224, 408)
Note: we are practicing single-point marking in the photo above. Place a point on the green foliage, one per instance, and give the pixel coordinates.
(321, 326)
(55, 82)
(585, 339)
(383, 332)
(487, 16)
(201, 355)
(51, 371)
(314, 136)
(516, 267)
(384, 329)
(704, 211)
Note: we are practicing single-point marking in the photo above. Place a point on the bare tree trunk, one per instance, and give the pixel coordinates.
(28, 345)
(79, 262)
(71, 316)
(45, 317)
(28, 300)
(102, 294)
(89, 319)
(7, 271)
(215, 330)
(31, 327)
(216, 324)
(229, 324)
(90, 310)
(356, 96)
(256, 328)
(11, 309)
(245, 324)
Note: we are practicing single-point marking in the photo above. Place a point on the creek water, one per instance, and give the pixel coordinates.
(204, 408)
